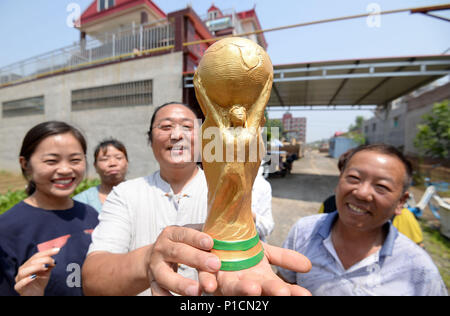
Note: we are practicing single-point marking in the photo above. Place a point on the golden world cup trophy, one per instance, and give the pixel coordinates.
(232, 84)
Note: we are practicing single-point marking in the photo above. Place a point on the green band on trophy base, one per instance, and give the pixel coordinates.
(242, 264)
(236, 245)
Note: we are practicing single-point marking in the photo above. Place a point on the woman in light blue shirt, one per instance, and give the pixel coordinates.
(111, 164)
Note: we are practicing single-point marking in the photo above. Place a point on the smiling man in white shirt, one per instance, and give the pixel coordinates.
(136, 247)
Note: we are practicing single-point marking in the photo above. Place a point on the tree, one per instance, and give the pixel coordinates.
(433, 137)
(355, 131)
(359, 121)
(357, 137)
(272, 123)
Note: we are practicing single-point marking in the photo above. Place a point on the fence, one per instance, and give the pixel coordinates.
(144, 39)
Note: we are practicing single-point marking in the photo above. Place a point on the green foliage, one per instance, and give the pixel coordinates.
(433, 137)
(270, 123)
(354, 131)
(275, 123)
(359, 121)
(11, 198)
(357, 137)
(86, 184)
(438, 247)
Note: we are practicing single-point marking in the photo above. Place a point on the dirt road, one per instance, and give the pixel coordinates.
(11, 182)
(301, 193)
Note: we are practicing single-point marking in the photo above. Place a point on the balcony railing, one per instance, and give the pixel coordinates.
(138, 41)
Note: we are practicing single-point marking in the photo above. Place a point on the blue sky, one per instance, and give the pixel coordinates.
(29, 28)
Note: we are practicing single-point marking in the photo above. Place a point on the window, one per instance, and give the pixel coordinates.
(144, 17)
(23, 107)
(374, 127)
(396, 121)
(104, 4)
(213, 15)
(118, 95)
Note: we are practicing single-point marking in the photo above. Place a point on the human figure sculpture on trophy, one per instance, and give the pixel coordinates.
(232, 84)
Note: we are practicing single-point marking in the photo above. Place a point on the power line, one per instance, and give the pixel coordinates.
(412, 10)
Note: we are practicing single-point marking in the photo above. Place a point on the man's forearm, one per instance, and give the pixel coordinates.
(106, 273)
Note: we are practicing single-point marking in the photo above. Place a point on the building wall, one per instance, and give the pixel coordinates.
(248, 27)
(413, 119)
(409, 113)
(128, 124)
(387, 127)
(339, 145)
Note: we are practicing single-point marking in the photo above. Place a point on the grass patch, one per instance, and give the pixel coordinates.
(11, 198)
(438, 247)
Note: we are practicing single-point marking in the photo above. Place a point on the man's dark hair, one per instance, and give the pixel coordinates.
(343, 159)
(387, 150)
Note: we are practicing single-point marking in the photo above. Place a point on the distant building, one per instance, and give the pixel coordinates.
(108, 17)
(130, 59)
(294, 127)
(397, 123)
(387, 126)
(339, 145)
(229, 22)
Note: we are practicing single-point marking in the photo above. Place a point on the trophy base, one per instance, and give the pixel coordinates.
(235, 259)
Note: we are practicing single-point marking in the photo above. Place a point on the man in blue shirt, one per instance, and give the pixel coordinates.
(356, 250)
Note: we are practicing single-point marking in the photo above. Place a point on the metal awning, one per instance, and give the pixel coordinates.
(358, 82)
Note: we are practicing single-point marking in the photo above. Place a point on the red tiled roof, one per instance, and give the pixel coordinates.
(247, 14)
(91, 13)
(213, 8)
